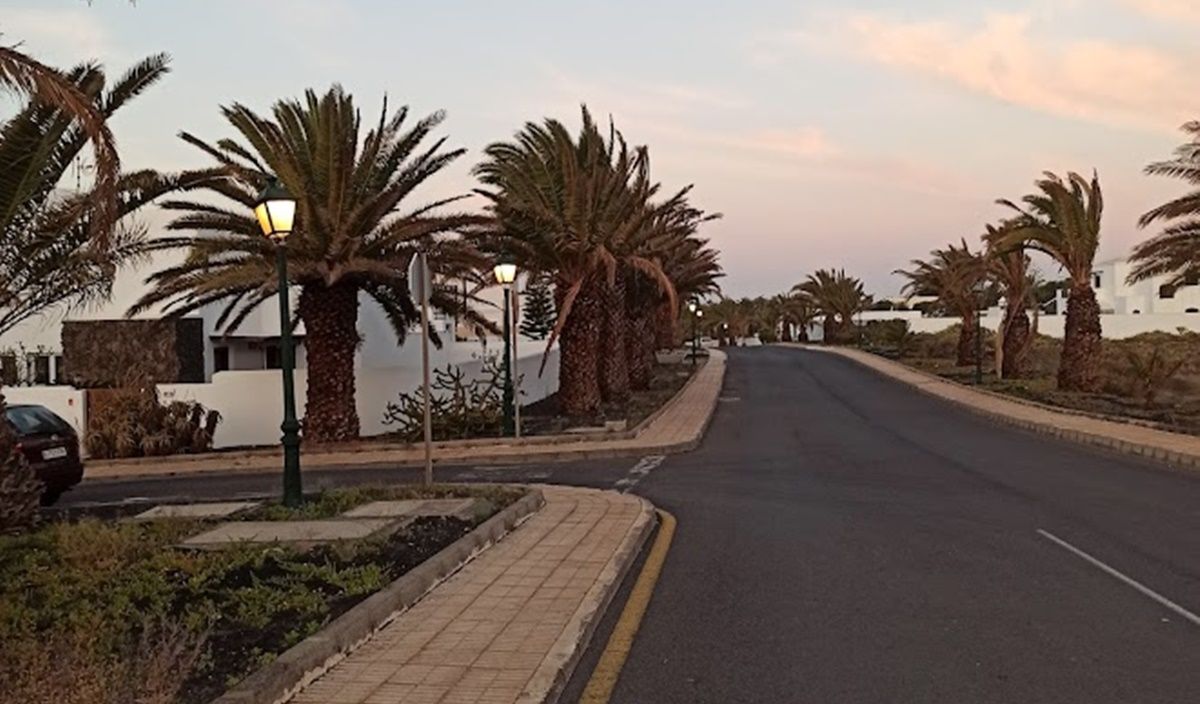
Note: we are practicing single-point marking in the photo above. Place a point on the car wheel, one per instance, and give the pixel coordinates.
(51, 496)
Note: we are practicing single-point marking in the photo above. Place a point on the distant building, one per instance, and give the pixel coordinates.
(1152, 296)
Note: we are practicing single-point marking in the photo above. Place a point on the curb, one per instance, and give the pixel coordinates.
(551, 678)
(1174, 460)
(298, 666)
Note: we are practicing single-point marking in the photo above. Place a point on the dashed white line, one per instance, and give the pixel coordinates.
(644, 466)
(1112, 572)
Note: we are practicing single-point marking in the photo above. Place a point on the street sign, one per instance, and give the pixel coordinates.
(420, 288)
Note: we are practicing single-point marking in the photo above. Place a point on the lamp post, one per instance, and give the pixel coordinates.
(506, 272)
(276, 213)
(979, 334)
(694, 309)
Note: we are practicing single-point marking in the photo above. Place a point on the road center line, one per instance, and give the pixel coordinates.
(1147, 591)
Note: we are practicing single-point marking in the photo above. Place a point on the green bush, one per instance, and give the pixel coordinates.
(134, 423)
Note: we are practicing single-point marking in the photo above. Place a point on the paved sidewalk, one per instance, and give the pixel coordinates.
(1173, 448)
(512, 623)
(678, 427)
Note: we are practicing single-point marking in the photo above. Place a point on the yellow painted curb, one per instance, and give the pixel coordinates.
(604, 677)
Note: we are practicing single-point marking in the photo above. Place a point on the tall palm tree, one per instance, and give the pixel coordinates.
(691, 268)
(837, 298)
(355, 234)
(576, 208)
(48, 256)
(954, 275)
(26, 76)
(1010, 270)
(1063, 221)
(1175, 251)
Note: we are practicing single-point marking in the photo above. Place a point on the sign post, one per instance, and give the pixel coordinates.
(419, 288)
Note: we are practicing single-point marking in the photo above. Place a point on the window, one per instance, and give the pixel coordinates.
(220, 359)
(60, 369)
(35, 420)
(1136, 311)
(39, 368)
(272, 356)
(1166, 291)
(8, 369)
(1192, 310)
(1096, 280)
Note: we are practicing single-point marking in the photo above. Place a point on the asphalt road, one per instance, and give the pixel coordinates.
(843, 538)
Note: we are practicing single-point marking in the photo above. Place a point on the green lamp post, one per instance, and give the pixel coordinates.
(506, 273)
(276, 213)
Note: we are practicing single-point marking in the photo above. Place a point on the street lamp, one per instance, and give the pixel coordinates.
(276, 213)
(506, 273)
(979, 290)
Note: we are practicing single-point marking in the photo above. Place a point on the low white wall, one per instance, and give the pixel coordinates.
(1114, 327)
(66, 401)
(251, 402)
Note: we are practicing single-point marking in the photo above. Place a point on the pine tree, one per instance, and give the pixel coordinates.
(537, 310)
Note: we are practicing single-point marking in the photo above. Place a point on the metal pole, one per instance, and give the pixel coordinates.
(978, 344)
(516, 336)
(426, 392)
(695, 339)
(508, 385)
(293, 492)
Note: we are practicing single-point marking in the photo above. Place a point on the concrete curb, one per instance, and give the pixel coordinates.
(310, 658)
(551, 678)
(96, 472)
(1175, 460)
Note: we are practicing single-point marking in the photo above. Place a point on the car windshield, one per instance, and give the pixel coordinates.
(35, 420)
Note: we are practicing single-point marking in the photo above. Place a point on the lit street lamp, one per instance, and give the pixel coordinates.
(276, 213)
(506, 273)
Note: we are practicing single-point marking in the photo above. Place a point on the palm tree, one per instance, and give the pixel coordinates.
(1063, 221)
(954, 275)
(24, 75)
(690, 267)
(578, 209)
(354, 234)
(837, 298)
(1175, 251)
(48, 256)
(1011, 271)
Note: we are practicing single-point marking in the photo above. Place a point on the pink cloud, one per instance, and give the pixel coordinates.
(1099, 81)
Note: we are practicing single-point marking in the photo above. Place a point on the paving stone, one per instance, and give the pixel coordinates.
(204, 510)
(412, 508)
(289, 531)
(494, 632)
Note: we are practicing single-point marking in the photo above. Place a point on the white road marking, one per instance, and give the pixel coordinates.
(644, 466)
(1146, 591)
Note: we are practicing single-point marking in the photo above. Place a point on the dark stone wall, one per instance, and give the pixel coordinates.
(116, 353)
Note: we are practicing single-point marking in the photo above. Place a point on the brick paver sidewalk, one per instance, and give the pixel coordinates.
(678, 428)
(506, 626)
(1173, 448)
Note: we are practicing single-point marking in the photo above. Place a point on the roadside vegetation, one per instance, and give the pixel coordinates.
(100, 611)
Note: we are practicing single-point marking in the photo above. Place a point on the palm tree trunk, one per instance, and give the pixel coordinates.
(1017, 329)
(614, 366)
(966, 341)
(639, 347)
(1079, 367)
(829, 330)
(330, 315)
(579, 345)
(664, 328)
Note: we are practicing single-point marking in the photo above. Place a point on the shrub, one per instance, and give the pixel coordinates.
(1148, 371)
(460, 409)
(134, 423)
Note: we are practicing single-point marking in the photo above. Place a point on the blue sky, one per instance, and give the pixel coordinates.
(846, 134)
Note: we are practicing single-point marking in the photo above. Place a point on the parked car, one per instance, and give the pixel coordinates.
(50, 445)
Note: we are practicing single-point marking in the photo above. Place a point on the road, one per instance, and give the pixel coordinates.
(843, 538)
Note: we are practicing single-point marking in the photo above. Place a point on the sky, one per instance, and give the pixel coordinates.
(854, 134)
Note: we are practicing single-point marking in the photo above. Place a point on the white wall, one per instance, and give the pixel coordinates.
(1114, 326)
(251, 402)
(66, 401)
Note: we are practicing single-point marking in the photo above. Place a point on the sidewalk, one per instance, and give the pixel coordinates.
(677, 427)
(511, 625)
(1172, 448)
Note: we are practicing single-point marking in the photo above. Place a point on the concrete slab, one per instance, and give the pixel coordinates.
(222, 509)
(289, 531)
(414, 508)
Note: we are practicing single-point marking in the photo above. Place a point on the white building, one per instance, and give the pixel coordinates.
(1150, 297)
